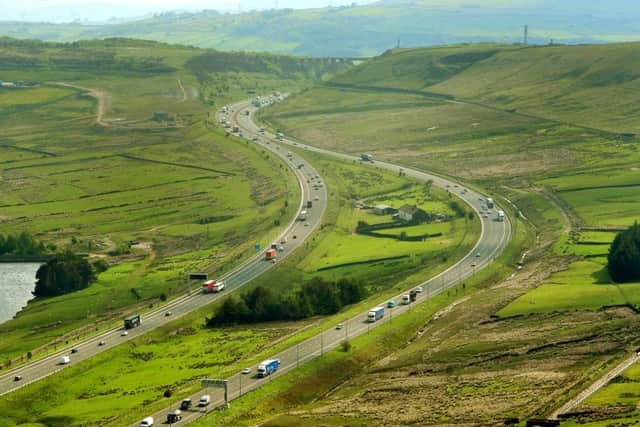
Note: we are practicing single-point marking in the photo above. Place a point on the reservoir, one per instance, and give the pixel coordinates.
(17, 280)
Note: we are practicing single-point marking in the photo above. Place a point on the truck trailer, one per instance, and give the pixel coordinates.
(271, 254)
(132, 321)
(490, 203)
(212, 286)
(375, 314)
(268, 367)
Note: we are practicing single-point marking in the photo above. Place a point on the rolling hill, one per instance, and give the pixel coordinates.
(365, 30)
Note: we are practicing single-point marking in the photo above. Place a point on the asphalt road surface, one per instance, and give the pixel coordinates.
(295, 235)
(494, 238)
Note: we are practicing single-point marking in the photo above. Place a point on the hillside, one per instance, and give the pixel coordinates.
(548, 131)
(108, 148)
(365, 30)
(592, 86)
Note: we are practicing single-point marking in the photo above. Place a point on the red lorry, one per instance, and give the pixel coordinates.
(271, 254)
(212, 286)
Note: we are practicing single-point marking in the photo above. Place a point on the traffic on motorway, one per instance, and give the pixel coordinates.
(296, 233)
(495, 235)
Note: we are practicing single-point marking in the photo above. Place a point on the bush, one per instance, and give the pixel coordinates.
(100, 266)
(345, 346)
(624, 255)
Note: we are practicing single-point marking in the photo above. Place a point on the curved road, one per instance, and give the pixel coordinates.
(494, 238)
(295, 235)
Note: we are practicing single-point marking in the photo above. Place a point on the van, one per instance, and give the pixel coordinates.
(406, 300)
(204, 400)
(147, 422)
(65, 360)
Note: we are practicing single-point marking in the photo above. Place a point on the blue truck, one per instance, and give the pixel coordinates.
(268, 367)
(375, 314)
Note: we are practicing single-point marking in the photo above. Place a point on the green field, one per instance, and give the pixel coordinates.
(554, 131)
(184, 346)
(86, 164)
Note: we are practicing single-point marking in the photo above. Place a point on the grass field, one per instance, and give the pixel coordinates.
(86, 166)
(532, 126)
(184, 346)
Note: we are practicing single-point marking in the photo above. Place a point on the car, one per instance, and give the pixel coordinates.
(205, 399)
(485, 216)
(273, 260)
(306, 224)
(477, 254)
(185, 404)
(167, 313)
(283, 241)
(295, 237)
(101, 343)
(280, 248)
(419, 289)
(17, 378)
(246, 371)
(473, 264)
(316, 198)
(391, 304)
(339, 326)
(124, 334)
(74, 350)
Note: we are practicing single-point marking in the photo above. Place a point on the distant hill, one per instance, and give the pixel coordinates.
(592, 86)
(368, 30)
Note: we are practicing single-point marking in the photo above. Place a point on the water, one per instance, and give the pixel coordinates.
(16, 283)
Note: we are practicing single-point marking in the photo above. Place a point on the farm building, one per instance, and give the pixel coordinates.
(410, 213)
(384, 210)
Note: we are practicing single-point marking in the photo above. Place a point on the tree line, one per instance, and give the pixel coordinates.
(20, 244)
(262, 304)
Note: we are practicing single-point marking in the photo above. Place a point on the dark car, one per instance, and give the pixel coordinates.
(186, 404)
(74, 350)
(17, 378)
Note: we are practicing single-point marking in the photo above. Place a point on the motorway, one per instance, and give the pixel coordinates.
(295, 235)
(495, 236)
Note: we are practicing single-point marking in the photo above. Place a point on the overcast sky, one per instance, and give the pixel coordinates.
(69, 10)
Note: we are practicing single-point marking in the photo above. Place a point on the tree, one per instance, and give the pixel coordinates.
(62, 274)
(624, 255)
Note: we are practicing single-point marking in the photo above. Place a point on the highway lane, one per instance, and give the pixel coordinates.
(495, 236)
(295, 236)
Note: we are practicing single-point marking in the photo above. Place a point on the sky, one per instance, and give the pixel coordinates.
(102, 10)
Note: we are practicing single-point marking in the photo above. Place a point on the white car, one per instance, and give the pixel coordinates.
(339, 326)
(419, 289)
(246, 371)
(205, 399)
(124, 334)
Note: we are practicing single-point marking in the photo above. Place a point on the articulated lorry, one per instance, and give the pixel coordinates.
(212, 286)
(268, 367)
(375, 314)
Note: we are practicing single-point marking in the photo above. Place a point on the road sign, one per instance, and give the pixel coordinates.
(206, 383)
(198, 276)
